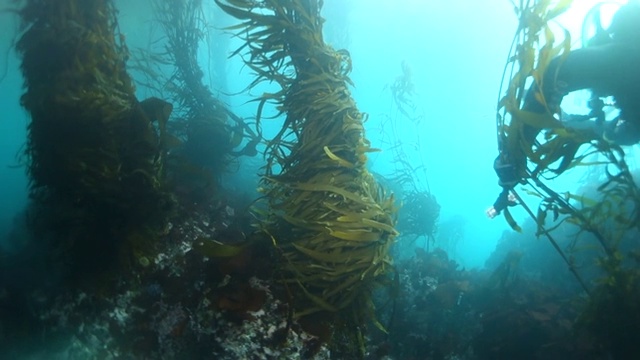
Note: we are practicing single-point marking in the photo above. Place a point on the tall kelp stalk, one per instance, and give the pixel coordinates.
(562, 148)
(210, 133)
(95, 154)
(613, 217)
(202, 118)
(419, 213)
(328, 218)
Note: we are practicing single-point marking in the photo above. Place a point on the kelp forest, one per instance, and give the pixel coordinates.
(144, 237)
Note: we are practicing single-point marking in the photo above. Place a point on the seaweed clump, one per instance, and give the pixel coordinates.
(327, 217)
(612, 315)
(611, 215)
(208, 130)
(95, 153)
(419, 215)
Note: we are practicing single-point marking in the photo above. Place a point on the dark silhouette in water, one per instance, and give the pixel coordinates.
(609, 68)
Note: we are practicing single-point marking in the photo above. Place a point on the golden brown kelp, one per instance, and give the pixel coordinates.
(562, 148)
(612, 217)
(93, 150)
(327, 216)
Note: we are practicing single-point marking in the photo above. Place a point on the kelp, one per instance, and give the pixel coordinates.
(213, 136)
(528, 63)
(215, 249)
(326, 215)
(533, 49)
(95, 153)
(208, 136)
(419, 210)
(612, 316)
(403, 93)
(419, 215)
(615, 211)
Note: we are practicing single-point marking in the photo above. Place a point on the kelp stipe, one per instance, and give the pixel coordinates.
(95, 153)
(326, 215)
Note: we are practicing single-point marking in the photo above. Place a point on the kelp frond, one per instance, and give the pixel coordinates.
(328, 217)
(616, 210)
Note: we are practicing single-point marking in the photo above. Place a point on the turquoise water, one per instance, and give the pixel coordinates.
(456, 51)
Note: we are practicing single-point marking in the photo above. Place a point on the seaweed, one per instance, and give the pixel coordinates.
(207, 129)
(612, 315)
(610, 216)
(419, 215)
(326, 215)
(419, 210)
(403, 93)
(562, 148)
(95, 154)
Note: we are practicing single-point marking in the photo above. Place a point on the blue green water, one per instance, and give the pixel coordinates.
(455, 49)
